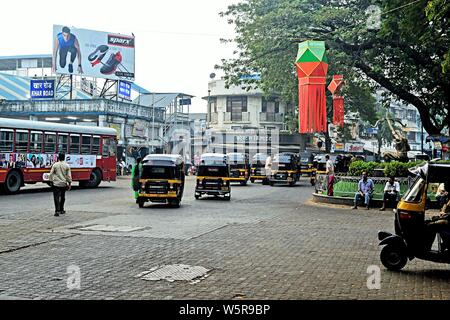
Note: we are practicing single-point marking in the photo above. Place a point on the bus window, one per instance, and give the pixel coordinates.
(112, 148)
(36, 142)
(86, 145)
(105, 149)
(109, 147)
(96, 145)
(6, 140)
(50, 143)
(21, 141)
(62, 143)
(74, 144)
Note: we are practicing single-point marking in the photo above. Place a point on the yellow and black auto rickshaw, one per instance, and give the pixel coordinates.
(285, 169)
(415, 226)
(213, 176)
(319, 167)
(162, 180)
(239, 167)
(306, 164)
(257, 168)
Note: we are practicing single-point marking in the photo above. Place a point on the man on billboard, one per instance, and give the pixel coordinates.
(66, 42)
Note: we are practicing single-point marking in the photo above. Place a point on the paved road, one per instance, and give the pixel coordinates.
(267, 243)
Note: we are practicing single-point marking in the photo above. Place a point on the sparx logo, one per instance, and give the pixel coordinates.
(121, 41)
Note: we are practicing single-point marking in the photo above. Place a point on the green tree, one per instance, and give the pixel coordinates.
(407, 55)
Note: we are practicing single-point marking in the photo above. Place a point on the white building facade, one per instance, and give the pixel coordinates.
(236, 108)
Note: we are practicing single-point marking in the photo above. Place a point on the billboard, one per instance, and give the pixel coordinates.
(93, 53)
(42, 89)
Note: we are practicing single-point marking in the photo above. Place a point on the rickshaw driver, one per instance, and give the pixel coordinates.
(439, 224)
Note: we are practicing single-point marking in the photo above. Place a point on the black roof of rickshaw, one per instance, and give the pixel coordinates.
(433, 172)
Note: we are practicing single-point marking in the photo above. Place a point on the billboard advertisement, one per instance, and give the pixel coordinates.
(42, 89)
(93, 53)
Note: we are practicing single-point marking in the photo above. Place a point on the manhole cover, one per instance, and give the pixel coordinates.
(102, 227)
(175, 272)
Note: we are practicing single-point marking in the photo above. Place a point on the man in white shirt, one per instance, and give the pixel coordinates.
(268, 166)
(330, 175)
(391, 192)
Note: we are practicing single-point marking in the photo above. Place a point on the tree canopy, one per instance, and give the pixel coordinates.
(407, 52)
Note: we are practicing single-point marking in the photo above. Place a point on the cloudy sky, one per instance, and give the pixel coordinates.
(177, 41)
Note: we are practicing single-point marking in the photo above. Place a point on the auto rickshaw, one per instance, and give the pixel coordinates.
(213, 176)
(258, 171)
(285, 169)
(306, 164)
(162, 180)
(415, 231)
(239, 167)
(319, 167)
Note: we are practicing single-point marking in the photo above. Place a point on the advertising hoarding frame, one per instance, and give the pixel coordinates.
(90, 53)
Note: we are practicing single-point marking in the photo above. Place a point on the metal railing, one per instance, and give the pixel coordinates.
(271, 117)
(236, 117)
(76, 106)
(321, 185)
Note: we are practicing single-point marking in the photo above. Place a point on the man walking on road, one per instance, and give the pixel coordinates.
(61, 180)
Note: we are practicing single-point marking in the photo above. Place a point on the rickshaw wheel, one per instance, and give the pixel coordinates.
(141, 204)
(393, 257)
(197, 197)
(252, 180)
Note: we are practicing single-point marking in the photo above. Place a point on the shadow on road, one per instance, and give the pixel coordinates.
(44, 189)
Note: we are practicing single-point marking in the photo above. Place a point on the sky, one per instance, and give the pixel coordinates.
(177, 41)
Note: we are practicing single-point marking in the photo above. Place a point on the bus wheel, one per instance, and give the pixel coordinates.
(13, 182)
(94, 180)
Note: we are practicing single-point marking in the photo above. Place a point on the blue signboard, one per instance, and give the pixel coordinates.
(42, 89)
(125, 90)
(185, 102)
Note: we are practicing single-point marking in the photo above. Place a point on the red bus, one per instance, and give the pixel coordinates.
(28, 149)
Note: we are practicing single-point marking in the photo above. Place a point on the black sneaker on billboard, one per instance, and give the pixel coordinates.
(111, 65)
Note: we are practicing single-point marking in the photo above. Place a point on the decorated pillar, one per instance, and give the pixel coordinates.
(312, 68)
(335, 88)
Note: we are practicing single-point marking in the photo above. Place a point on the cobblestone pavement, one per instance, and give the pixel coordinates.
(266, 243)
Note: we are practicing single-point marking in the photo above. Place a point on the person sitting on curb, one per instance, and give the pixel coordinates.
(391, 192)
(365, 191)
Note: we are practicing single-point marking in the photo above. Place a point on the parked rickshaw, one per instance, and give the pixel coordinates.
(162, 180)
(319, 167)
(213, 176)
(306, 163)
(239, 167)
(285, 169)
(415, 233)
(258, 171)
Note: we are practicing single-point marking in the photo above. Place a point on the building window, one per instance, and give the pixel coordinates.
(213, 105)
(236, 105)
(270, 105)
(411, 136)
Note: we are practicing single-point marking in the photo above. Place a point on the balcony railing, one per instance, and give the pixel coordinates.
(271, 117)
(67, 107)
(236, 117)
